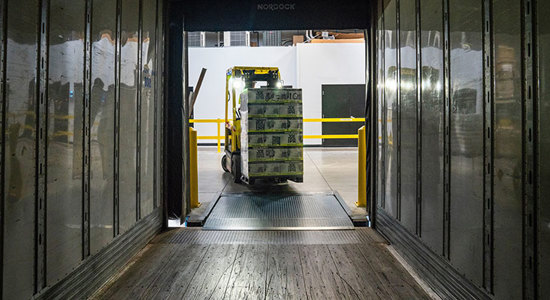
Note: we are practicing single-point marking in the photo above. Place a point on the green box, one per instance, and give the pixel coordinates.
(275, 139)
(292, 168)
(271, 95)
(275, 154)
(290, 110)
(274, 125)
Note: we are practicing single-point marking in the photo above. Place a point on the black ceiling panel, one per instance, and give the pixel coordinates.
(240, 15)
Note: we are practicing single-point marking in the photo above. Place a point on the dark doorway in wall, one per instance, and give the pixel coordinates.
(342, 101)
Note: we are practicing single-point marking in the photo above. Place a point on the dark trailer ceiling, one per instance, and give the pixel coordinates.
(212, 15)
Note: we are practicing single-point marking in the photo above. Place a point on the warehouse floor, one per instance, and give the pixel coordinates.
(325, 170)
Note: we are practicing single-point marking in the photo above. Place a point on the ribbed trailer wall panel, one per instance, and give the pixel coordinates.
(66, 65)
(66, 142)
(408, 110)
(102, 143)
(465, 125)
(479, 138)
(19, 148)
(129, 82)
(542, 137)
(507, 155)
(462, 105)
(432, 118)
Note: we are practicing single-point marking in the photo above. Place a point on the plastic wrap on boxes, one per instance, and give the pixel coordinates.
(271, 133)
(244, 143)
(275, 154)
(275, 139)
(262, 169)
(289, 110)
(244, 163)
(273, 125)
(263, 96)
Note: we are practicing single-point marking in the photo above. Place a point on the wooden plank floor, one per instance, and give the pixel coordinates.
(193, 264)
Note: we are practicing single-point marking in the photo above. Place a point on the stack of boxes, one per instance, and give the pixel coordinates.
(272, 134)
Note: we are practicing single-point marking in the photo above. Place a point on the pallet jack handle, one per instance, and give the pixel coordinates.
(195, 93)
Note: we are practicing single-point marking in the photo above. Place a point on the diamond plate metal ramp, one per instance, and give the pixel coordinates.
(278, 212)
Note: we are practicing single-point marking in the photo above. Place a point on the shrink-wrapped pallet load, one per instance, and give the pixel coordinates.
(272, 134)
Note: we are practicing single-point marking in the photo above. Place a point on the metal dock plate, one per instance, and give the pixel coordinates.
(278, 212)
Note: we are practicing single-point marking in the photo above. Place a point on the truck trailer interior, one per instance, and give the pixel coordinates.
(424, 176)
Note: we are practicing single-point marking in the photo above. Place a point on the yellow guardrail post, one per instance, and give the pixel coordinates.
(362, 169)
(219, 137)
(194, 170)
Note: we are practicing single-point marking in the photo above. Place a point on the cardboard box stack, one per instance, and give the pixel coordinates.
(272, 134)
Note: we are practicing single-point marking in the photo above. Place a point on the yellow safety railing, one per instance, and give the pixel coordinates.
(218, 137)
(221, 137)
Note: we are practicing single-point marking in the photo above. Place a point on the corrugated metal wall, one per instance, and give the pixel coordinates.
(81, 123)
(462, 159)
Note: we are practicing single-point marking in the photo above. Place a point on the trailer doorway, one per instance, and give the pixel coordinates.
(178, 36)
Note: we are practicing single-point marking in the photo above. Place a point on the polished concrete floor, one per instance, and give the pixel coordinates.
(325, 170)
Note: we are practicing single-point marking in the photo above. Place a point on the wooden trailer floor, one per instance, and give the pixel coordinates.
(190, 263)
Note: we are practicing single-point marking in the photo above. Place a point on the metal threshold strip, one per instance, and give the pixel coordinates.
(278, 212)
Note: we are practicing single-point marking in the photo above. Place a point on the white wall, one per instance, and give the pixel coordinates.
(306, 66)
(319, 64)
(210, 102)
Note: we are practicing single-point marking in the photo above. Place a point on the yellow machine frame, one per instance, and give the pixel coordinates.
(233, 126)
(249, 75)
